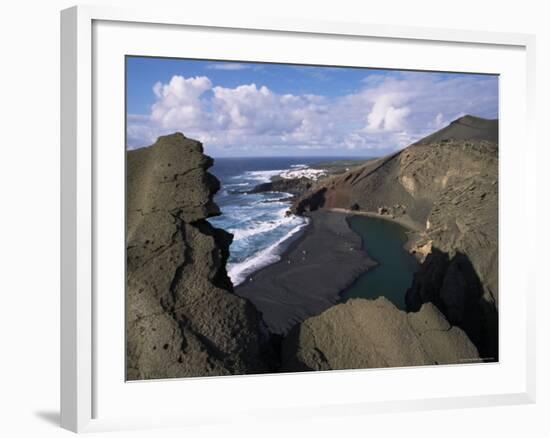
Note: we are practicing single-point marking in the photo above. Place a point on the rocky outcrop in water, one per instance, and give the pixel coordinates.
(294, 186)
(447, 185)
(182, 317)
(372, 334)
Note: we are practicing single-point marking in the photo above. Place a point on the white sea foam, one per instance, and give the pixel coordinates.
(274, 198)
(264, 214)
(260, 227)
(238, 272)
(263, 175)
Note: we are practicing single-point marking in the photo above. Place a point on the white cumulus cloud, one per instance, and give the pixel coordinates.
(384, 113)
(179, 104)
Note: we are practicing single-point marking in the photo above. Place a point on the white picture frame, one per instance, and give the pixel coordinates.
(84, 382)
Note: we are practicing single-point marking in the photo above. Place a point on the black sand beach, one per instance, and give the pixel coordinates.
(307, 280)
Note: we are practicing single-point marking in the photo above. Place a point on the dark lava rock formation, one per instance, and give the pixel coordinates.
(294, 186)
(182, 318)
(372, 334)
(447, 185)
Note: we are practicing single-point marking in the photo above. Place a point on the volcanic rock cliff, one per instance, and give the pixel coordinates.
(447, 185)
(182, 317)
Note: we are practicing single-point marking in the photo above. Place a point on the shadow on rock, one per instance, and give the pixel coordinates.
(453, 285)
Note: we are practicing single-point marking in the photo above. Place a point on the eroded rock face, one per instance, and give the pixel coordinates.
(462, 273)
(373, 334)
(182, 318)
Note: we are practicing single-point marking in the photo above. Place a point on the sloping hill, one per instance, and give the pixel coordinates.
(465, 128)
(414, 177)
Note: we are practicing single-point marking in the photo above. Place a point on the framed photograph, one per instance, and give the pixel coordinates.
(289, 218)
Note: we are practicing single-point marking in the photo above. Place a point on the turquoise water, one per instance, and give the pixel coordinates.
(383, 241)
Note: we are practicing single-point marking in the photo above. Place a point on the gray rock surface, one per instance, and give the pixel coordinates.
(182, 318)
(372, 334)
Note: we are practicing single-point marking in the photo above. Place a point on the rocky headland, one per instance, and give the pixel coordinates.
(294, 186)
(299, 181)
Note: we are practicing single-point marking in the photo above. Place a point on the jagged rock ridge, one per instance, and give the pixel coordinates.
(182, 317)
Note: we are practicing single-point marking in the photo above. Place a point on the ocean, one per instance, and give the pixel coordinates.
(257, 221)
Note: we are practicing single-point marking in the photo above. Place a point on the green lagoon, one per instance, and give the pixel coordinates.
(383, 241)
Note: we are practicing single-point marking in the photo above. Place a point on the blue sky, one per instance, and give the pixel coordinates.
(253, 109)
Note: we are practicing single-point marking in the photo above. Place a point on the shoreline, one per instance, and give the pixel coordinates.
(416, 236)
(325, 259)
(407, 223)
(286, 247)
(278, 249)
